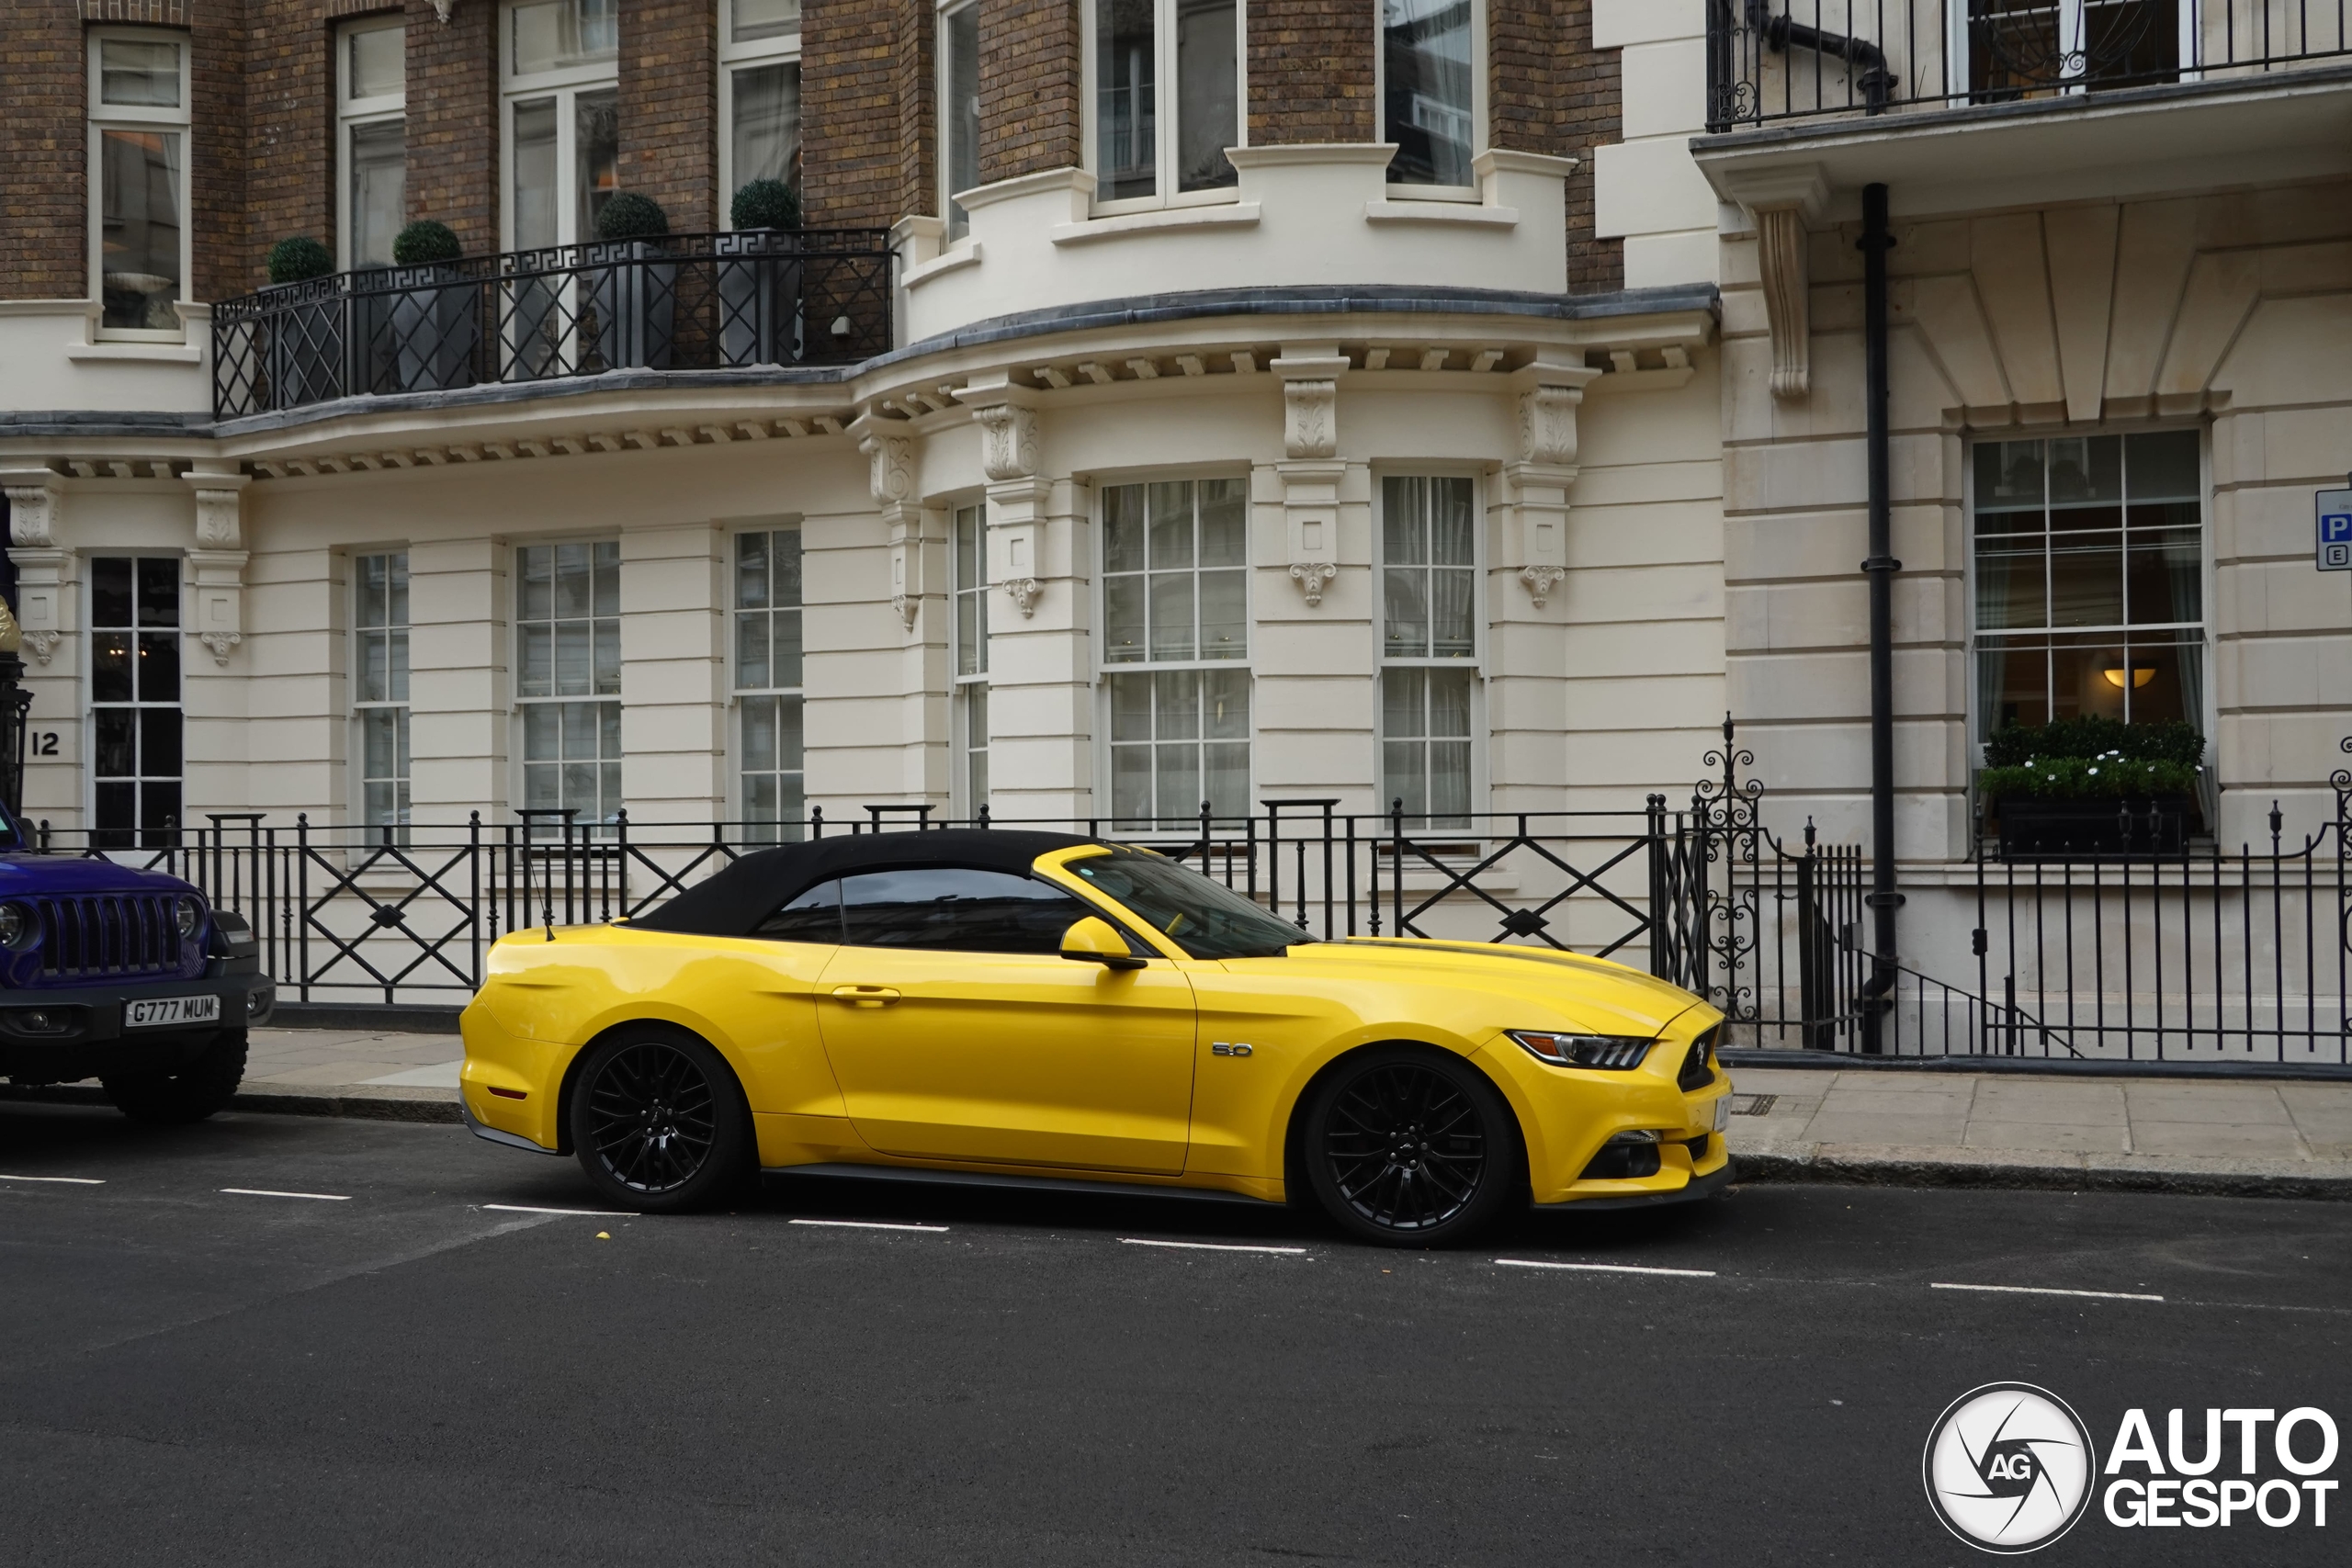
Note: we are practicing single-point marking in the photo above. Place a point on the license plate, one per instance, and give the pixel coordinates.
(164, 1012)
(1723, 1112)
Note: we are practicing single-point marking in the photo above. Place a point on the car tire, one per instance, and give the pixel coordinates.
(190, 1093)
(1408, 1146)
(659, 1123)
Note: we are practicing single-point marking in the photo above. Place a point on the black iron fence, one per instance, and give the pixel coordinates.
(1777, 60)
(2210, 954)
(681, 303)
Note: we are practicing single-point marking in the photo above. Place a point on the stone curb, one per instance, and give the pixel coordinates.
(344, 1105)
(2026, 1174)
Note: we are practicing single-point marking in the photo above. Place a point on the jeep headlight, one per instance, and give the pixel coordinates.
(16, 926)
(187, 914)
(1609, 1053)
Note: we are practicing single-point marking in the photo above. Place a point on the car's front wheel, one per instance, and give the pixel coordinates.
(190, 1093)
(659, 1123)
(1411, 1147)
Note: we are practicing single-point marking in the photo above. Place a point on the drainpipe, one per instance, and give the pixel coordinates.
(1878, 1000)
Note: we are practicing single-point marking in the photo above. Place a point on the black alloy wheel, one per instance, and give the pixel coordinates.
(658, 1123)
(1411, 1147)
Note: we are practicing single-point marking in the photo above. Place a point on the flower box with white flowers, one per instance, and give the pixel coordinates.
(2093, 789)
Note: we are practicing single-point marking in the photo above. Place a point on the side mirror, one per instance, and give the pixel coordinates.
(1093, 940)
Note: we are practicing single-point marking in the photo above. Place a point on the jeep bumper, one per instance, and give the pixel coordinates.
(58, 1036)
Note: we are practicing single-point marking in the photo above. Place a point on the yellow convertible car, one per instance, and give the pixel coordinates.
(1028, 1009)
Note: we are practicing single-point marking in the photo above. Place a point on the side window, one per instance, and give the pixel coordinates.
(954, 909)
(814, 916)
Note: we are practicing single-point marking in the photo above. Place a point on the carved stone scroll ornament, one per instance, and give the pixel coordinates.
(891, 474)
(1024, 591)
(1312, 578)
(222, 644)
(1547, 424)
(1008, 441)
(1780, 258)
(33, 498)
(1541, 580)
(43, 645)
(1310, 424)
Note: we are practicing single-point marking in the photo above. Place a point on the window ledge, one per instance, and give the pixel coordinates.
(1224, 215)
(137, 353)
(963, 256)
(1441, 212)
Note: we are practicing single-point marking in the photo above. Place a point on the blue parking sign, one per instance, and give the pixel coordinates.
(2335, 530)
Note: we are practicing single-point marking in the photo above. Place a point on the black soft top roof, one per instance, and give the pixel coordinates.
(737, 899)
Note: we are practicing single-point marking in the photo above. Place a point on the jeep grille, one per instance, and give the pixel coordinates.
(114, 934)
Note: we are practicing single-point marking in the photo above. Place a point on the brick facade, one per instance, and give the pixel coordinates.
(850, 174)
(1311, 72)
(44, 250)
(217, 191)
(1031, 81)
(289, 129)
(669, 110)
(918, 106)
(1550, 91)
(453, 122)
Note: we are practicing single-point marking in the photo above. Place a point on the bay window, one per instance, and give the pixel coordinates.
(1429, 675)
(1430, 90)
(140, 245)
(758, 93)
(371, 142)
(1142, 157)
(1175, 648)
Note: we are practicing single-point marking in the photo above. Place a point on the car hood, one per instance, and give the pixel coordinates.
(27, 875)
(1567, 990)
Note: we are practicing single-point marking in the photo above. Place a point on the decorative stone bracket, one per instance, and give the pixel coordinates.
(1311, 471)
(1537, 485)
(1785, 204)
(217, 563)
(890, 476)
(1010, 447)
(43, 581)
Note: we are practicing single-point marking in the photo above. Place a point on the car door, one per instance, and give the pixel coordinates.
(959, 1032)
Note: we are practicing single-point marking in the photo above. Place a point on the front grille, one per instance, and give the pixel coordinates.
(131, 933)
(1698, 1070)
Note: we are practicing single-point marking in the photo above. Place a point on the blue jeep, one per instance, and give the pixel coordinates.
(128, 976)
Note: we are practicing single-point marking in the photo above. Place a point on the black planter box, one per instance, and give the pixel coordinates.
(2093, 830)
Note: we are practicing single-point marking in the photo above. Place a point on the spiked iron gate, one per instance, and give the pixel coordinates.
(2209, 955)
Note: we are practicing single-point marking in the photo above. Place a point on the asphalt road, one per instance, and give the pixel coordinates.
(190, 1375)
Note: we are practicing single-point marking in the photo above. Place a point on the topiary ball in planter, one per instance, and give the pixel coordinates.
(765, 204)
(298, 260)
(425, 241)
(628, 216)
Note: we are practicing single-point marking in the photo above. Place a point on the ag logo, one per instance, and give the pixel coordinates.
(2008, 1468)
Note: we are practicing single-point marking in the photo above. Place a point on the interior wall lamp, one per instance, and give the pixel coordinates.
(2141, 675)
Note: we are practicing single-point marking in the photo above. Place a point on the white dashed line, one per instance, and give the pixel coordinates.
(866, 1225)
(1211, 1247)
(1606, 1268)
(584, 1213)
(2048, 1291)
(61, 1180)
(264, 1192)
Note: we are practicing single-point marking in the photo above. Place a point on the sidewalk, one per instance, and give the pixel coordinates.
(2237, 1136)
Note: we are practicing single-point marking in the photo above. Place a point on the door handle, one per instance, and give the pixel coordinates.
(866, 996)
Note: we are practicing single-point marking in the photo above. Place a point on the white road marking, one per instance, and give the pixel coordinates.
(584, 1213)
(1606, 1268)
(61, 1180)
(264, 1192)
(866, 1225)
(2048, 1291)
(1211, 1246)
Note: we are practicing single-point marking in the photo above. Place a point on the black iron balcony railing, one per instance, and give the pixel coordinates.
(761, 298)
(1780, 60)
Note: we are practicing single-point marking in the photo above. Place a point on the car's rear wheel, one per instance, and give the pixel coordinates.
(190, 1093)
(659, 1123)
(1411, 1148)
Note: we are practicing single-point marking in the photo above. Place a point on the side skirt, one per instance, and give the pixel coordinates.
(1018, 1183)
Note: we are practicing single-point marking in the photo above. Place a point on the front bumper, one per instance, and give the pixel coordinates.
(58, 1036)
(1691, 1191)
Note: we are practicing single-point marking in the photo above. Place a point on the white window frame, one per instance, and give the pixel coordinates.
(1165, 127)
(2208, 721)
(739, 805)
(941, 90)
(1481, 111)
(565, 84)
(100, 118)
(966, 599)
(1959, 47)
(361, 706)
(518, 753)
(1107, 805)
(1480, 737)
(781, 49)
(89, 635)
(354, 113)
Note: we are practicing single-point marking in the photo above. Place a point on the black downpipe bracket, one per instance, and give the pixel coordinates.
(1878, 991)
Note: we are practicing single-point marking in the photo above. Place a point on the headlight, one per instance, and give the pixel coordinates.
(1609, 1052)
(187, 913)
(17, 926)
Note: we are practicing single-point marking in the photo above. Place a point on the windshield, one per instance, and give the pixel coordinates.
(1204, 917)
